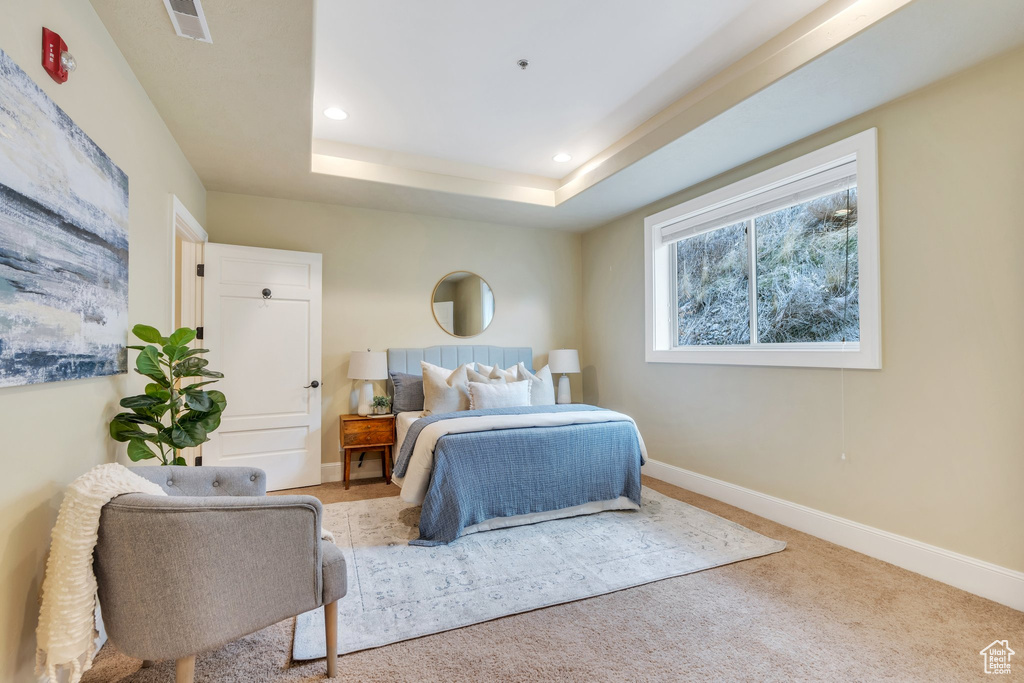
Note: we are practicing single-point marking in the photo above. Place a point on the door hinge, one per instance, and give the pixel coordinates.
(199, 332)
(199, 461)
(200, 270)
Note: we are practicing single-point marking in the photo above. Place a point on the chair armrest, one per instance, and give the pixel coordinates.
(206, 481)
(181, 575)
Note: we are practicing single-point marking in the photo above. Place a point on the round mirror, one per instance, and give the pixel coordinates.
(463, 304)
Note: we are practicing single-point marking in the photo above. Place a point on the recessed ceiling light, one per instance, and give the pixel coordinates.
(561, 157)
(336, 113)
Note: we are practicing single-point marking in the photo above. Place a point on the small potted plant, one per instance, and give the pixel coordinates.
(381, 405)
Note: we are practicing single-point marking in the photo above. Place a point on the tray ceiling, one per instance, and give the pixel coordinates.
(648, 97)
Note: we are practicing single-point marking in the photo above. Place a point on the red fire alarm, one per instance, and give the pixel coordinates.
(57, 61)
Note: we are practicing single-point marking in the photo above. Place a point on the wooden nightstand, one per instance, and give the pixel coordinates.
(370, 433)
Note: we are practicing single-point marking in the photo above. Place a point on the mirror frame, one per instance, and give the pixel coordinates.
(434, 314)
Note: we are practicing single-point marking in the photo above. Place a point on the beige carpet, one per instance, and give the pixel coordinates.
(813, 612)
(398, 591)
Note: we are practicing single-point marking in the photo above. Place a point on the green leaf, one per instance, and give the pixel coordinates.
(219, 399)
(193, 352)
(119, 430)
(140, 401)
(174, 353)
(137, 348)
(126, 433)
(148, 334)
(138, 450)
(200, 384)
(148, 364)
(181, 337)
(190, 367)
(187, 435)
(179, 461)
(157, 391)
(136, 419)
(198, 400)
(159, 410)
(210, 421)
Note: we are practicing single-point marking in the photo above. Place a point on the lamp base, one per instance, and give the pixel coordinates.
(365, 399)
(564, 392)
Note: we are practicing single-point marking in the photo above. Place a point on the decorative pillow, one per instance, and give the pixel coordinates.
(542, 386)
(408, 392)
(494, 372)
(502, 395)
(445, 391)
(483, 378)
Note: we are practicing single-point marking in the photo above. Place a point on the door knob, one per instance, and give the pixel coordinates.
(312, 385)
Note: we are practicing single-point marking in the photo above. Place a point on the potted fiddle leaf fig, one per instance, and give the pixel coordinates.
(176, 412)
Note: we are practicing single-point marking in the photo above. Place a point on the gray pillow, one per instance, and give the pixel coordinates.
(408, 392)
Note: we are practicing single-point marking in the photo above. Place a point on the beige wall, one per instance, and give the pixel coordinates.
(935, 440)
(54, 432)
(380, 269)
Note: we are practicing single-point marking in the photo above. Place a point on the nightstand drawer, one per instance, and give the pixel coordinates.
(369, 432)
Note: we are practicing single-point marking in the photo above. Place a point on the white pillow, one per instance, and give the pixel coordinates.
(494, 372)
(542, 386)
(502, 395)
(484, 378)
(445, 391)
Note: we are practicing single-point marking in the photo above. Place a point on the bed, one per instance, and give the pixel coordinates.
(472, 471)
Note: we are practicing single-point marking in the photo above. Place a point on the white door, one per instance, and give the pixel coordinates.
(261, 322)
(444, 313)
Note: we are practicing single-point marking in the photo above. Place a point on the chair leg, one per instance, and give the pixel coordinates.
(331, 633)
(185, 670)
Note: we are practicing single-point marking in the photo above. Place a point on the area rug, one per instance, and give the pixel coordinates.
(397, 591)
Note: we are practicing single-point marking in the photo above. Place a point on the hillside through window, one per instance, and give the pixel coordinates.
(805, 266)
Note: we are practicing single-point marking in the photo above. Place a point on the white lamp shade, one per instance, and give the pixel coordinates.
(368, 365)
(562, 361)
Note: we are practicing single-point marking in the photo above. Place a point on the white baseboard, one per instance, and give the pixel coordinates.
(988, 580)
(331, 471)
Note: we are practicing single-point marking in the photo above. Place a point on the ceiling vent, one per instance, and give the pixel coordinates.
(188, 19)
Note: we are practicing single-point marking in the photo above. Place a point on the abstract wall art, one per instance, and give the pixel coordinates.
(63, 243)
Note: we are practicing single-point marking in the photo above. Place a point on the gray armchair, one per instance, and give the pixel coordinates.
(214, 560)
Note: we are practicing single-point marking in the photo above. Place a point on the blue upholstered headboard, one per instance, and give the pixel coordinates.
(451, 357)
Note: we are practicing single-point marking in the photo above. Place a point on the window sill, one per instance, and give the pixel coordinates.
(784, 355)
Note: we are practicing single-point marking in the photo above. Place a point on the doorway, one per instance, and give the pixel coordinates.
(187, 249)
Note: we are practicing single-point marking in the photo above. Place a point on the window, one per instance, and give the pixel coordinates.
(778, 269)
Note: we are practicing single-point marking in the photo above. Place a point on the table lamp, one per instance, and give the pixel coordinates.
(368, 366)
(562, 361)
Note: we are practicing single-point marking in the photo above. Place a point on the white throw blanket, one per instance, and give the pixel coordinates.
(66, 635)
(421, 463)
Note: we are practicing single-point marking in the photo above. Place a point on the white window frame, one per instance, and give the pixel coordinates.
(662, 313)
